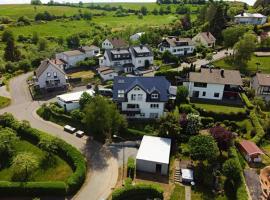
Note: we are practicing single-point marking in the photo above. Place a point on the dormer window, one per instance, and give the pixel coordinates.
(154, 96)
(121, 93)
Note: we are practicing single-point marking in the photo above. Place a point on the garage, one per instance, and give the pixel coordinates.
(154, 155)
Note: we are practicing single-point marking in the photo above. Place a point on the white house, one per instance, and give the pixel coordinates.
(250, 18)
(177, 46)
(154, 155)
(70, 101)
(141, 97)
(49, 76)
(261, 84)
(106, 73)
(216, 84)
(113, 43)
(136, 36)
(127, 59)
(71, 58)
(204, 38)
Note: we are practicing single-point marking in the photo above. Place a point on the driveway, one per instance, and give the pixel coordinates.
(253, 183)
(102, 164)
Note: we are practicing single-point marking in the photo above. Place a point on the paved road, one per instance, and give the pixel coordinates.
(102, 164)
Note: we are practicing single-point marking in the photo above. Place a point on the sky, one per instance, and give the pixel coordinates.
(250, 2)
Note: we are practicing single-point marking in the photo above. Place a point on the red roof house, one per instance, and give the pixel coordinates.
(250, 151)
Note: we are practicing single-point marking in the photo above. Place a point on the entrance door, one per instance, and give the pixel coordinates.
(158, 168)
(195, 94)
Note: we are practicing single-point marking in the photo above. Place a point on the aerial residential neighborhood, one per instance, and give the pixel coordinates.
(118, 100)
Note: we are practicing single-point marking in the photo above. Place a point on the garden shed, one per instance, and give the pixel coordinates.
(251, 151)
(154, 155)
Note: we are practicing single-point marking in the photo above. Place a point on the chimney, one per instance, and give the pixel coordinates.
(222, 73)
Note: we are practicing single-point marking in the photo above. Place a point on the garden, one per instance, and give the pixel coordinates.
(34, 163)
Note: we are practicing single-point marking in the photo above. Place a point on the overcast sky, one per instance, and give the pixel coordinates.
(250, 2)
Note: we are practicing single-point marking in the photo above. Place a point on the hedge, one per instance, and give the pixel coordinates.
(65, 151)
(131, 167)
(260, 133)
(138, 192)
(246, 100)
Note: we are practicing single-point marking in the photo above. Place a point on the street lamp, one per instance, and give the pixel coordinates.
(123, 148)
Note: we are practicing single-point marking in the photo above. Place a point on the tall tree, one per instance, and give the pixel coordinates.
(232, 34)
(73, 41)
(12, 52)
(7, 35)
(169, 126)
(8, 139)
(193, 124)
(181, 94)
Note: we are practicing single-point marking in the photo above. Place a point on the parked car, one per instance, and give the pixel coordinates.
(106, 92)
(69, 129)
(89, 86)
(79, 133)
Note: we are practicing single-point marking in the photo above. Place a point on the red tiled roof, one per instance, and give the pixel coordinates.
(250, 147)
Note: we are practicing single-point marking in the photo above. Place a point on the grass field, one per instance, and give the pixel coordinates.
(251, 66)
(219, 108)
(60, 171)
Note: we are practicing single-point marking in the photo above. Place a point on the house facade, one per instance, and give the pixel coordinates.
(250, 18)
(261, 84)
(71, 58)
(177, 46)
(215, 84)
(113, 43)
(49, 76)
(127, 59)
(141, 97)
(205, 39)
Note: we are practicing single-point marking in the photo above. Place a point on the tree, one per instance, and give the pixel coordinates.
(223, 137)
(85, 98)
(73, 41)
(50, 146)
(203, 147)
(80, 4)
(209, 57)
(232, 169)
(155, 11)
(193, 124)
(24, 65)
(8, 138)
(24, 164)
(144, 10)
(232, 34)
(102, 118)
(169, 126)
(25, 20)
(7, 35)
(42, 44)
(244, 49)
(12, 52)
(181, 94)
(36, 2)
(35, 38)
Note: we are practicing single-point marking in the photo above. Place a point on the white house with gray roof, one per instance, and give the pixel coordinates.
(49, 76)
(215, 84)
(250, 18)
(205, 39)
(177, 46)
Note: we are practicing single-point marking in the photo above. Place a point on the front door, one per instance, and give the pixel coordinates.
(158, 168)
(195, 94)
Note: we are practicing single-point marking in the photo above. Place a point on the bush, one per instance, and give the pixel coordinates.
(246, 100)
(207, 121)
(260, 133)
(131, 167)
(65, 151)
(186, 108)
(138, 192)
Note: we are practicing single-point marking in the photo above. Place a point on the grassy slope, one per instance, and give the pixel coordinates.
(59, 172)
(251, 67)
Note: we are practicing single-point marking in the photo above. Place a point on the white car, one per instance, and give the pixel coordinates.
(79, 133)
(69, 129)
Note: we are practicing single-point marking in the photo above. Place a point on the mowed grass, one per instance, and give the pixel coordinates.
(219, 108)
(4, 102)
(82, 74)
(251, 66)
(178, 193)
(59, 171)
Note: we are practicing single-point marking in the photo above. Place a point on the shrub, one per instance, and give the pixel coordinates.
(128, 181)
(246, 100)
(260, 133)
(137, 192)
(207, 121)
(131, 167)
(186, 108)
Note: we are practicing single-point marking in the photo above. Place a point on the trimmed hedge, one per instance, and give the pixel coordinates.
(131, 167)
(246, 100)
(138, 192)
(260, 133)
(65, 151)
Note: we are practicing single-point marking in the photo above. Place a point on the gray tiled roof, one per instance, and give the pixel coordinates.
(44, 65)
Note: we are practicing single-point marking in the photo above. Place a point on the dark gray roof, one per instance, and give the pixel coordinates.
(148, 84)
(123, 51)
(141, 49)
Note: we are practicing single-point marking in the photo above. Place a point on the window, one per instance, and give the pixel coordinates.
(203, 94)
(140, 97)
(132, 106)
(154, 96)
(142, 114)
(49, 74)
(133, 97)
(154, 106)
(216, 94)
(121, 93)
(198, 84)
(137, 88)
(140, 61)
(54, 74)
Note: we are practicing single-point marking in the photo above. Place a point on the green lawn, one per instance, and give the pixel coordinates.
(251, 66)
(4, 102)
(178, 193)
(219, 108)
(60, 171)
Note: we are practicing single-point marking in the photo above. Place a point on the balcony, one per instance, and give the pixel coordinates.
(131, 111)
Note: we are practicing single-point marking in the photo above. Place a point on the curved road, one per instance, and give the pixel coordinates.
(102, 166)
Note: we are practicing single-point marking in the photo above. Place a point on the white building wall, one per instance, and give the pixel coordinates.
(149, 166)
(71, 60)
(44, 77)
(107, 44)
(210, 90)
(106, 77)
(250, 20)
(178, 51)
(140, 61)
(69, 106)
